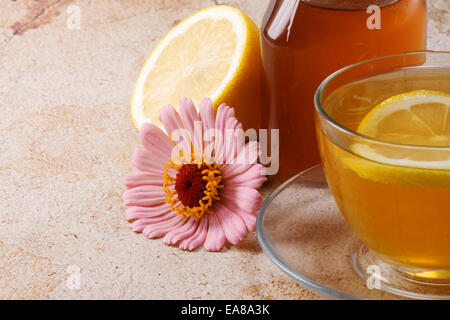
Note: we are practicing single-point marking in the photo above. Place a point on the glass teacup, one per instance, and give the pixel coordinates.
(392, 187)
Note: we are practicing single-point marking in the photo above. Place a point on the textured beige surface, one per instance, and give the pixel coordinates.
(65, 144)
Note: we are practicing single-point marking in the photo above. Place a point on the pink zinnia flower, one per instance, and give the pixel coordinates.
(198, 184)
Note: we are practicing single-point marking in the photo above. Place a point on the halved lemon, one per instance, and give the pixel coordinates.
(214, 53)
(419, 118)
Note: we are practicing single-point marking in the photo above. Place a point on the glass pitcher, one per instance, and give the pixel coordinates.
(304, 41)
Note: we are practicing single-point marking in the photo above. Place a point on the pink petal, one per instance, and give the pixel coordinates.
(240, 138)
(249, 219)
(160, 229)
(253, 178)
(241, 199)
(233, 225)
(141, 224)
(231, 170)
(223, 114)
(188, 115)
(235, 139)
(249, 155)
(191, 121)
(208, 121)
(170, 119)
(157, 155)
(229, 140)
(143, 160)
(215, 239)
(243, 162)
(219, 147)
(181, 233)
(141, 179)
(198, 238)
(207, 114)
(135, 213)
(153, 138)
(144, 196)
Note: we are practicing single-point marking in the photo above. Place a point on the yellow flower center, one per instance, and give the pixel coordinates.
(195, 188)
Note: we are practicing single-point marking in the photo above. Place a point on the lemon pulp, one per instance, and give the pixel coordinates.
(419, 118)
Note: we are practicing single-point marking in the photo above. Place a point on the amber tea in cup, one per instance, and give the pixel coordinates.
(383, 128)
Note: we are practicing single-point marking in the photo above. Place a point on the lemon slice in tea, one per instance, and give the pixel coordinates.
(416, 118)
(420, 118)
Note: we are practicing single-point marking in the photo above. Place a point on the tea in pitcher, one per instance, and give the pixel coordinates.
(305, 41)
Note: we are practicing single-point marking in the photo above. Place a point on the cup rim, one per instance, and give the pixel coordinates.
(323, 114)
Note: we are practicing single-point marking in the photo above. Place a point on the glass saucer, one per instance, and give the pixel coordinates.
(301, 229)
